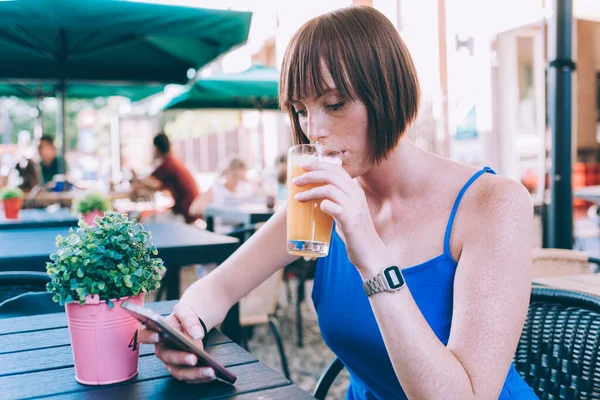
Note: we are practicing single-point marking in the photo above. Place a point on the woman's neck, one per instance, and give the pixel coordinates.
(401, 176)
(231, 185)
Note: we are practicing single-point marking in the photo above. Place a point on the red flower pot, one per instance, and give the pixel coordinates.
(12, 207)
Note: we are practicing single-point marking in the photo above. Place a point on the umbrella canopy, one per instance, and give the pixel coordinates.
(73, 41)
(112, 40)
(255, 88)
(79, 91)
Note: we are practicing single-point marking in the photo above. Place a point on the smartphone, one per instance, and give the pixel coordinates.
(176, 339)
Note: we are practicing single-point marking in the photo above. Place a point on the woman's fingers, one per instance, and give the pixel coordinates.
(329, 192)
(174, 357)
(189, 320)
(148, 336)
(337, 177)
(192, 375)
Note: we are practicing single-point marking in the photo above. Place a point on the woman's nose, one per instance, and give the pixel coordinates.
(316, 131)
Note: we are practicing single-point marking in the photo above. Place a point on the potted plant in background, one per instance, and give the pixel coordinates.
(92, 205)
(95, 269)
(12, 202)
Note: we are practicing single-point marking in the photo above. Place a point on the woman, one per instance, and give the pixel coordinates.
(231, 187)
(461, 236)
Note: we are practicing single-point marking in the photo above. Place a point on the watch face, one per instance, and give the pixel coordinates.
(394, 277)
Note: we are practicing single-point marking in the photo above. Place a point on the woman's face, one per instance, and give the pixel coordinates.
(237, 174)
(333, 121)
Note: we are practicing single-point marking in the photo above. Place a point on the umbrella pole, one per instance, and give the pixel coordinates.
(560, 218)
(38, 129)
(261, 141)
(60, 124)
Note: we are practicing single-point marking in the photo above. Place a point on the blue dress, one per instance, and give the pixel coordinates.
(350, 330)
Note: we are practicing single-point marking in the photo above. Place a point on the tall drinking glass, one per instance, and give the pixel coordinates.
(308, 228)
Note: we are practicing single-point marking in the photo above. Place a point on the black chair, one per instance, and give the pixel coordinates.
(24, 293)
(558, 353)
(14, 283)
(26, 304)
(242, 232)
(303, 270)
(326, 380)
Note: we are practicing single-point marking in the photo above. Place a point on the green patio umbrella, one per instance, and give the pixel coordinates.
(73, 41)
(79, 91)
(255, 88)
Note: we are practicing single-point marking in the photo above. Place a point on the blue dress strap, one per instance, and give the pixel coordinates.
(457, 203)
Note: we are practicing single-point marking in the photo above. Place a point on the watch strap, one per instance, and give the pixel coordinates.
(389, 279)
(374, 285)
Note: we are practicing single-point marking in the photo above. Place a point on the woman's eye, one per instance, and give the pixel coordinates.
(301, 113)
(336, 106)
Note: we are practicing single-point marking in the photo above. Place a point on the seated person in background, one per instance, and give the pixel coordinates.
(170, 175)
(29, 172)
(282, 177)
(231, 187)
(49, 161)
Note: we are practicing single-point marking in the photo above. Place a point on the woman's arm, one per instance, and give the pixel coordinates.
(200, 202)
(211, 297)
(260, 257)
(491, 295)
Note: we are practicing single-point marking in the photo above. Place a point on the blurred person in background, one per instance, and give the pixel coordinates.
(231, 187)
(27, 168)
(281, 169)
(50, 161)
(170, 175)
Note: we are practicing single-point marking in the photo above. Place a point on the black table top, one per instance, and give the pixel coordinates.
(36, 361)
(177, 244)
(242, 213)
(588, 193)
(39, 218)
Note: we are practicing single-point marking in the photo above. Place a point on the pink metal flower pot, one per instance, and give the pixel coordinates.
(89, 217)
(104, 341)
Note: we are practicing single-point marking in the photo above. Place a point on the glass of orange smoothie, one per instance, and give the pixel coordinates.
(308, 228)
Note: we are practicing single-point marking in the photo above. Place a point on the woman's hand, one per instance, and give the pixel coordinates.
(180, 364)
(345, 201)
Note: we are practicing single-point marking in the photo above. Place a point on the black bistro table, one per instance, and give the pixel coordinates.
(36, 362)
(178, 245)
(240, 214)
(39, 218)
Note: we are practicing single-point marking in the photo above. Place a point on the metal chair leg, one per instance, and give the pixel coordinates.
(286, 280)
(299, 301)
(284, 363)
(244, 332)
(326, 380)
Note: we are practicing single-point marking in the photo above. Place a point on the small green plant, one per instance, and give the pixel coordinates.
(113, 259)
(92, 202)
(11, 193)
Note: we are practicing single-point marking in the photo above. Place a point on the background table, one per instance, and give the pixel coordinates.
(178, 245)
(237, 214)
(587, 283)
(39, 218)
(65, 199)
(36, 361)
(588, 193)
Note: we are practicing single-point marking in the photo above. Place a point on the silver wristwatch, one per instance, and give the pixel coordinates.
(390, 279)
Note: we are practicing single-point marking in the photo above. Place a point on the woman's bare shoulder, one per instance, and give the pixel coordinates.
(498, 196)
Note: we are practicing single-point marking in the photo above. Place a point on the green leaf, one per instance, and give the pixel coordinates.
(113, 259)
